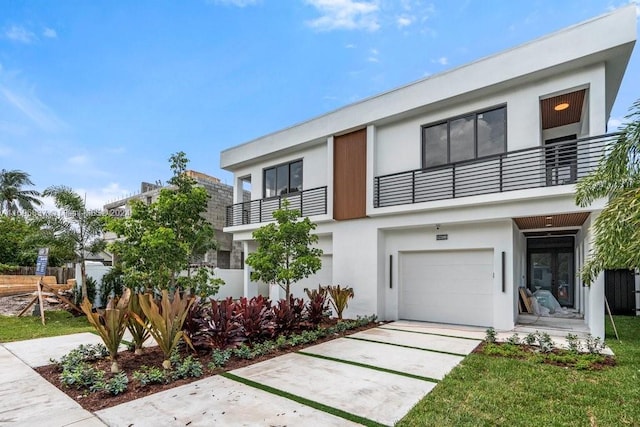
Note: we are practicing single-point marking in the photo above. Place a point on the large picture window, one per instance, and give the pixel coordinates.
(283, 179)
(467, 137)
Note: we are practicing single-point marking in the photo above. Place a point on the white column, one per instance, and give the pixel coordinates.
(247, 272)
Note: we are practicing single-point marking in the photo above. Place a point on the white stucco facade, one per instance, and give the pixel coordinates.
(384, 254)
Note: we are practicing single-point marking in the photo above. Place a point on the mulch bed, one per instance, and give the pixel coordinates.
(153, 356)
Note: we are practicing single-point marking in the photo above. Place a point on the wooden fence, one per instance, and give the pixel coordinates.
(62, 274)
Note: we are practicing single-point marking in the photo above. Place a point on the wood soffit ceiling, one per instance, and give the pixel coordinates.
(552, 118)
(551, 221)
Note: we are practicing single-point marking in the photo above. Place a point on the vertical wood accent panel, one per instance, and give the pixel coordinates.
(350, 175)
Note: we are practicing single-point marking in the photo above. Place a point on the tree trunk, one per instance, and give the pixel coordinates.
(83, 275)
(114, 367)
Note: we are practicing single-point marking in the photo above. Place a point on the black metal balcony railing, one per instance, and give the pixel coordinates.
(308, 202)
(549, 165)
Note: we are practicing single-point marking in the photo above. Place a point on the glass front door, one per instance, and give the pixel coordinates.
(551, 267)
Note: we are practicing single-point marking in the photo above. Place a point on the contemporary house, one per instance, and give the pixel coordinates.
(438, 200)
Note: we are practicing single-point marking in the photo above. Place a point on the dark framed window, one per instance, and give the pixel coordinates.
(282, 179)
(471, 136)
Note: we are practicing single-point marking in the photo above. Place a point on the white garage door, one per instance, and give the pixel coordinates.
(447, 286)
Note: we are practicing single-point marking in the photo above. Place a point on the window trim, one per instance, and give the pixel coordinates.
(275, 167)
(448, 121)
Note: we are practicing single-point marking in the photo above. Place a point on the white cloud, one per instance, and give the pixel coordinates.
(373, 55)
(616, 123)
(49, 33)
(19, 34)
(345, 15)
(237, 3)
(443, 60)
(33, 108)
(79, 160)
(350, 46)
(404, 21)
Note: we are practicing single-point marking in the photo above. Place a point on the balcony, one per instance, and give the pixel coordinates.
(308, 202)
(554, 164)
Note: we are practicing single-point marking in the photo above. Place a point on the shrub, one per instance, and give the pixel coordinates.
(165, 320)
(112, 284)
(110, 324)
(573, 343)
(255, 317)
(243, 352)
(115, 385)
(530, 339)
(83, 353)
(82, 376)
(317, 306)
(339, 298)
(490, 335)
(91, 291)
(514, 339)
(185, 368)
(139, 331)
(545, 342)
(594, 345)
(150, 375)
(219, 358)
(288, 314)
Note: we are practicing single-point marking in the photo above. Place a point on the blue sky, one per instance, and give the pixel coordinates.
(96, 95)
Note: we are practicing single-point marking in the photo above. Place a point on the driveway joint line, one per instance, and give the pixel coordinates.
(432, 333)
(407, 346)
(376, 368)
(304, 401)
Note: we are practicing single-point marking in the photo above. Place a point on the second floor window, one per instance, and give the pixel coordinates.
(468, 137)
(283, 179)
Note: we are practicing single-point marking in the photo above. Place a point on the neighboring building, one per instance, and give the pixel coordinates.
(436, 201)
(229, 254)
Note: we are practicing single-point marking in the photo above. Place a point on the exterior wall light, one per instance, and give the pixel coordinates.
(561, 106)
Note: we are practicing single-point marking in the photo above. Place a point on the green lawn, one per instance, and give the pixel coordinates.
(490, 391)
(57, 323)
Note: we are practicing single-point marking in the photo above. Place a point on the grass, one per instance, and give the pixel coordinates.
(58, 322)
(485, 390)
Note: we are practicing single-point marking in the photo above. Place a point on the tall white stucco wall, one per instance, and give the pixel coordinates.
(519, 265)
(355, 249)
(233, 283)
(594, 294)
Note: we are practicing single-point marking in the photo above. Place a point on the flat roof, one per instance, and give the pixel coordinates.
(608, 38)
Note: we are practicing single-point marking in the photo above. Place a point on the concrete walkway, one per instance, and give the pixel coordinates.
(371, 376)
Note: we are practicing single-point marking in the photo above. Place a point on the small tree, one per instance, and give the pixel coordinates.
(285, 254)
(617, 228)
(83, 227)
(160, 239)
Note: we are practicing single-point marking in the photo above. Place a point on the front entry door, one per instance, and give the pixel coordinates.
(551, 267)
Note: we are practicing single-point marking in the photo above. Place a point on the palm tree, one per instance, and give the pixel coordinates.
(12, 196)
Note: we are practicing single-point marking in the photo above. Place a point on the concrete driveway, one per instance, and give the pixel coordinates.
(372, 377)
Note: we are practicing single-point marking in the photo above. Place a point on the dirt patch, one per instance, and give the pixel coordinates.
(153, 356)
(12, 305)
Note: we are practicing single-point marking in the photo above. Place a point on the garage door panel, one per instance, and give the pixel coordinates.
(447, 286)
